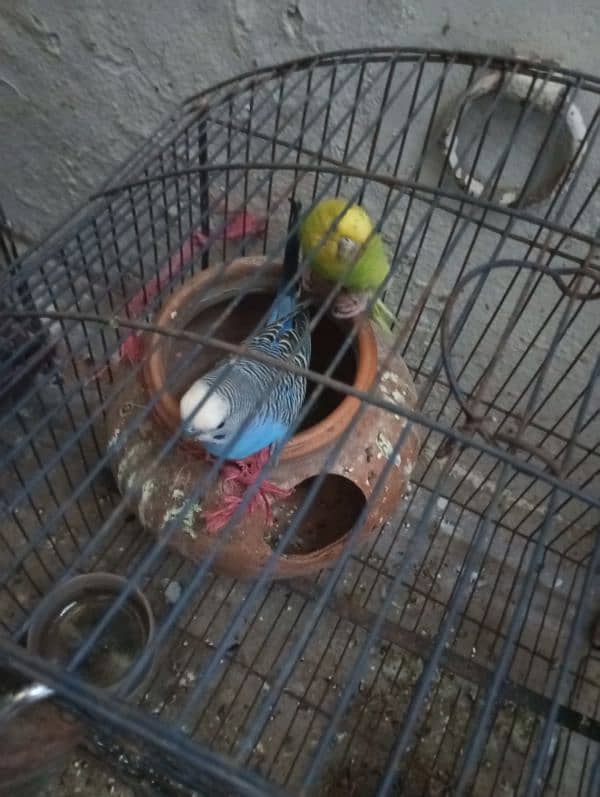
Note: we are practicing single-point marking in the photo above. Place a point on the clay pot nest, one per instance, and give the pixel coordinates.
(347, 487)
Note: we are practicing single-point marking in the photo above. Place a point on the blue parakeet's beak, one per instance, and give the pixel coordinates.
(204, 421)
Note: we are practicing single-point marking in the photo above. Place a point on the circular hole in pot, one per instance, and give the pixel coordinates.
(333, 511)
(327, 339)
(118, 647)
(531, 137)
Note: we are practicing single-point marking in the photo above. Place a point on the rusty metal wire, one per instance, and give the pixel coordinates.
(449, 652)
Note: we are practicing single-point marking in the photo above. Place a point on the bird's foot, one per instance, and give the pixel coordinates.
(314, 284)
(216, 519)
(350, 304)
(237, 476)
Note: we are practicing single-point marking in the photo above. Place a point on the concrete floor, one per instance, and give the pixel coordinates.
(85, 776)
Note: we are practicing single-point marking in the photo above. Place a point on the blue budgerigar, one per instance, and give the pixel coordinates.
(268, 397)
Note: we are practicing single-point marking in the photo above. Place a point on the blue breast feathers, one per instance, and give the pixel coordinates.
(255, 437)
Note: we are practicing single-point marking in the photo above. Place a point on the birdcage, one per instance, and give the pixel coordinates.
(454, 648)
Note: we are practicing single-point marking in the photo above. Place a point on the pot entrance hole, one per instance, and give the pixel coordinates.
(327, 339)
(334, 510)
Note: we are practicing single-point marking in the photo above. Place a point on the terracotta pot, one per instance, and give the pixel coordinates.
(157, 497)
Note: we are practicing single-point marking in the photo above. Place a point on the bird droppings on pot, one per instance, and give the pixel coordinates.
(114, 439)
(187, 522)
(127, 468)
(384, 446)
(146, 493)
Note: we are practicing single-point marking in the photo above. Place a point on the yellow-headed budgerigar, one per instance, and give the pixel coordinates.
(339, 243)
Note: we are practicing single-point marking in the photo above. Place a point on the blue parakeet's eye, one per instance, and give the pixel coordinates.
(221, 425)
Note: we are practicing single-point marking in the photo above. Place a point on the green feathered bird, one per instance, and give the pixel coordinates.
(352, 253)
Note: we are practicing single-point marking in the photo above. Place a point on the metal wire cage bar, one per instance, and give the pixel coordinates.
(450, 654)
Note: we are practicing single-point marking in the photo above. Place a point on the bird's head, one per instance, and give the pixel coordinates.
(206, 419)
(347, 227)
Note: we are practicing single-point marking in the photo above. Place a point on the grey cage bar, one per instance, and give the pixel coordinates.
(457, 651)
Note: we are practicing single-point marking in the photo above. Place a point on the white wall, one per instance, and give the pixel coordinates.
(82, 83)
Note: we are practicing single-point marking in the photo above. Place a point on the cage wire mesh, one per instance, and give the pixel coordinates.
(453, 651)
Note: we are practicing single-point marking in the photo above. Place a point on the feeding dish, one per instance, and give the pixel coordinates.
(548, 98)
(70, 613)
